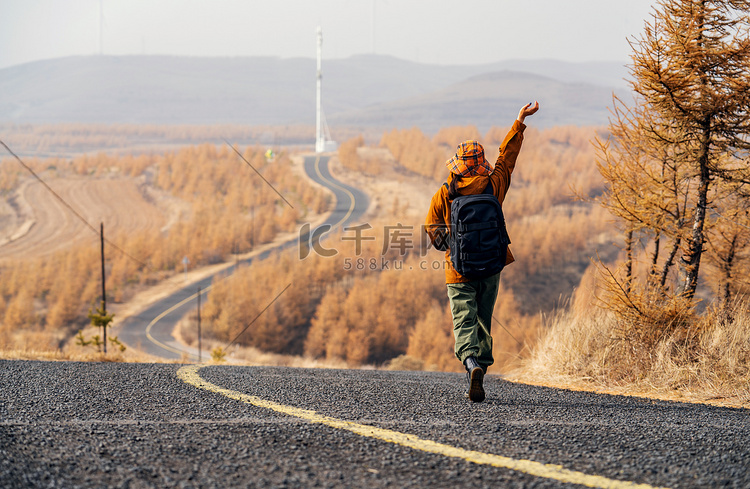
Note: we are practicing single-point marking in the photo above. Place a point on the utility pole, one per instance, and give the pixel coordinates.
(104, 289)
(199, 325)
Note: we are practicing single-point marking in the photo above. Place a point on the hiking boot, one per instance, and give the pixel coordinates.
(475, 376)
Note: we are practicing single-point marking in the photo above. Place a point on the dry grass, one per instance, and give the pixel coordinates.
(185, 332)
(73, 354)
(42, 345)
(706, 360)
(60, 355)
(236, 356)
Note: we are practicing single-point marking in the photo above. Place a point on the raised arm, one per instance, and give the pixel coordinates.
(509, 149)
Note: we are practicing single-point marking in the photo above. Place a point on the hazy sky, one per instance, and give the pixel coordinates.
(428, 31)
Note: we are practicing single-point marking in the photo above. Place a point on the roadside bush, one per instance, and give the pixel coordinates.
(707, 356)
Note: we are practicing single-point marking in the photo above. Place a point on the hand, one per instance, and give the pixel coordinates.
(527, 110)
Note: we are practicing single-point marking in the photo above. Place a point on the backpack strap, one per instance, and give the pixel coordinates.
(477, 226)
(481, 255)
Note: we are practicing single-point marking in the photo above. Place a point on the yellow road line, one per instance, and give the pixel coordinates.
(158, 318)
(332, 182)
(189, 374)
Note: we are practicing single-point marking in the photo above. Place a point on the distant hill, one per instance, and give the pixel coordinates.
(492, 99)
(368, 91)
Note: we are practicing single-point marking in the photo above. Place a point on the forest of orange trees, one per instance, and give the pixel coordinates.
(380, 304)
(227, 212)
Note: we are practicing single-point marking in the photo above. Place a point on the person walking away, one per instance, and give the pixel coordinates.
(472, 299)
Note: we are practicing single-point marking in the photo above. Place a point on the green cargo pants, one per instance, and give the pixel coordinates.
(472, 304)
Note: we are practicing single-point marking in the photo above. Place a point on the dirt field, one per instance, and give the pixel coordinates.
(33, 222)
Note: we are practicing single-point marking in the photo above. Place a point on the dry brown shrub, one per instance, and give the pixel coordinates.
(646, 313)
(679, 356)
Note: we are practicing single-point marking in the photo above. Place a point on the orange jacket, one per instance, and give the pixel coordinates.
(440, 207)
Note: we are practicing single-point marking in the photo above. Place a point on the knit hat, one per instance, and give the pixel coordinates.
(469, 160)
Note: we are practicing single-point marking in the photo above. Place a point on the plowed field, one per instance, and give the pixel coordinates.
(35, 223)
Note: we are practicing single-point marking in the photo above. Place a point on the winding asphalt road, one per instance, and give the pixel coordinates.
(151, 330)
(67, 424)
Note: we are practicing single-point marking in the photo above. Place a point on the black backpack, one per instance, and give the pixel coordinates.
(478, 238)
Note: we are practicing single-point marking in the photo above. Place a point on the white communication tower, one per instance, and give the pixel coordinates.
(322, 144)
(101, 27)
(319, 141)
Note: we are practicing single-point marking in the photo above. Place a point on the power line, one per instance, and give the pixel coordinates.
(733, 221)
(256, 317)
(70, 208)
(259, 174)
(506, 330)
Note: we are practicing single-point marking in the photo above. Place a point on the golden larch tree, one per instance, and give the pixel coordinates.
(686, 140)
